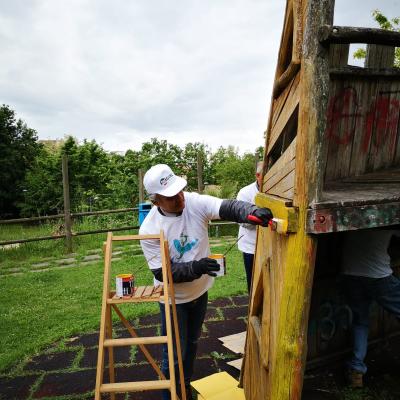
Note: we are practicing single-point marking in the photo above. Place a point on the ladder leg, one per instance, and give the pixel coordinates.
(106, 289)
(110, 349)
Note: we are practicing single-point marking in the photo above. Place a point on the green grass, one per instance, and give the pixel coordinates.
(38, 309)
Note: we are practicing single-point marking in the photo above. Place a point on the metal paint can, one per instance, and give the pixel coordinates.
(124, 285)
(220, 258)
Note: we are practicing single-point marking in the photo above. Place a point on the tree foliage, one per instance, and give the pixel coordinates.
(387, 24)
(99, 179)
(18, 149)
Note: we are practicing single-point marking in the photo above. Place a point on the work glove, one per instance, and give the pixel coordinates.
(205, 266)
(263, 216)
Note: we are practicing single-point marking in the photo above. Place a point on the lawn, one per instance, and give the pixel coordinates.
(38, 309)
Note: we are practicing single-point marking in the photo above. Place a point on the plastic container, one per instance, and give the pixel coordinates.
(222, 263)
(144, 209)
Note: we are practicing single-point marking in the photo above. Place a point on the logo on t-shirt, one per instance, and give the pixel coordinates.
(184, 244)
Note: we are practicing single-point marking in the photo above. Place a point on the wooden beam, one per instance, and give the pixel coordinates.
(368, 73)
(328, 34)
(338, 219)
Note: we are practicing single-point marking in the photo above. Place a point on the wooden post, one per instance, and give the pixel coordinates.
(200, 186)
(67, 207)
(141, 188)
(256, 160)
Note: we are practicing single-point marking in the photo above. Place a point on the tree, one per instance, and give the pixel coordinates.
(18, 149)
(384, 23)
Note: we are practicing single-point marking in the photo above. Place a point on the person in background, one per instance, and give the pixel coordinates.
(184, 219)
(367, 277)
(247, 232)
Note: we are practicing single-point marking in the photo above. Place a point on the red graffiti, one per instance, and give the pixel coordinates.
(384, 116)
(340, 109)
(381, 120)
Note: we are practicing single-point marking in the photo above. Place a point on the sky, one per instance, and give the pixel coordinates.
(122, 72)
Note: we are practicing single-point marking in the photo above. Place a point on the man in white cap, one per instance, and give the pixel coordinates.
(247, 232)
(184, 219)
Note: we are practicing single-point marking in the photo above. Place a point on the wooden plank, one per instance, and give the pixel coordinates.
(283, 185)
(148, 291)
(236, 363)
(350, 34)
(282, 173)
(135, 341)
(279, 209)
(281, 100)
(135, 386)
(379, 56)
(352, 218)
(290, 105)
(338, 55)
(352, 72)
(139, 292)
(275, 171)
(135, 237)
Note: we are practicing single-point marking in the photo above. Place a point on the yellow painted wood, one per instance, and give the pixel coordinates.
(279, 210)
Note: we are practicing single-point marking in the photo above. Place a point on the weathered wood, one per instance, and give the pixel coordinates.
(348, 34)
(351, 71)
(285, 78)
(288, 109)
(338, 55)
(67, 206)
(338, 219)
(379, 56)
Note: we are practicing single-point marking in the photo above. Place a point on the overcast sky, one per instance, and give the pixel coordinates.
(124, 71)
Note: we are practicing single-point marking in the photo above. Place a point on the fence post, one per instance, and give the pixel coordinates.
(141, 188)
(200, 186)
(67, 206)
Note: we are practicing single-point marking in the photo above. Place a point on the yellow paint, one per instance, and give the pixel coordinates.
(289, 215)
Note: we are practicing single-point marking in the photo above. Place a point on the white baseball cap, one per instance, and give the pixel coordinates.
(160, 179)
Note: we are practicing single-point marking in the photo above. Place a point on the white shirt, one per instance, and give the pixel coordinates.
(365, 253)
(187, 237)
(247, 243)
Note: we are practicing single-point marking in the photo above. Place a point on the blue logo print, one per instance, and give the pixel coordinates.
(183, 245)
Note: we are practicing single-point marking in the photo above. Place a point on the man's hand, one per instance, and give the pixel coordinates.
(264, 215)
(205, 266)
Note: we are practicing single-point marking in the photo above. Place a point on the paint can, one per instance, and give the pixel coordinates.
(220, 258)
(124, 285)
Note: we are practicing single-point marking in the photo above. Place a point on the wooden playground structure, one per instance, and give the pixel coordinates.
(332, 164)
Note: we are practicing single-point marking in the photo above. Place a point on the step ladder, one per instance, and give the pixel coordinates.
(141, 294)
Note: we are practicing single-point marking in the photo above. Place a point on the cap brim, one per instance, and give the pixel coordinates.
(175, 188)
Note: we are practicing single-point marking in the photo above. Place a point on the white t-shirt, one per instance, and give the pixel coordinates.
(247, 243)
(365, 253)
(187, 237)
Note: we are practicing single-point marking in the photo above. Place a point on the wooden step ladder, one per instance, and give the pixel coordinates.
(140, 294)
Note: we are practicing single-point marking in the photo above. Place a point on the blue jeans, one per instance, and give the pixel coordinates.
(360, 292)
(248, 266)
(190, 320)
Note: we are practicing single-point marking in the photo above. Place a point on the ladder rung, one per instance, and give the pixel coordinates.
(135, 386)
(135, 341)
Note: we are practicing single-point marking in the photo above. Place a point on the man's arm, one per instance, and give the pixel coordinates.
(239, 211)
(189, 271)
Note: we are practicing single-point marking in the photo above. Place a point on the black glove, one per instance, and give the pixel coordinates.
(205, 266)
(264, 214)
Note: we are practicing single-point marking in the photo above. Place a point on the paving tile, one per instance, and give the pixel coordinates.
(207, 345)
(242, 300)
(51, 362)
(212, 313)
(134, 373)
(203, 367)
(223, 366)
(62, 384)
(16, 388)
(149, 320)
(63, 261)
(88, 340)
(155, 351)
(218, 329)
(149, 331)
(92, 257)
(40, 265)
(224, 302)
(89, 359)
(234, 312)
